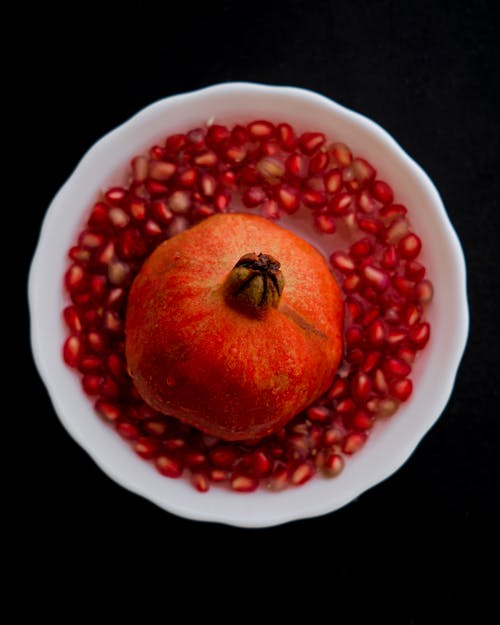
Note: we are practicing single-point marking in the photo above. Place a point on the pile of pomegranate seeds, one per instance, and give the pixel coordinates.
(269, 169)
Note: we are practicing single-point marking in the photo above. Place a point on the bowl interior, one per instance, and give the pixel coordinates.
(391, 442)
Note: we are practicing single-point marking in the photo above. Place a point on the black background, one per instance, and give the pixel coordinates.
(428, 73)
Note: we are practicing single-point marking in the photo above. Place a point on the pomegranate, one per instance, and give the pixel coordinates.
(272, 170)
(234, 326)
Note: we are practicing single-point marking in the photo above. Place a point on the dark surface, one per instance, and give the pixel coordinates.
(428, 73)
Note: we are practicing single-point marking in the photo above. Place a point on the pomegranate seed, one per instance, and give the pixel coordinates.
(152, 229)
(354, 308)
(115, 196)
(127, 430)
(370, 362)
(217, 135)
(253, 197)
(90, 240)
(260, 464)
(244, 484)
(319, 414)
(194, 459)
(269, 148)
(392, 212)
(333, 181)
(318, 163)
(72, 351)
(279, 479)
(208, 185)
(406, 353)
(309, 142)
(206, 159)
(200, 482)
(361, 387)
(89, 363)
(302, 474)
(248, 175)
(96, 342)
(179, 202)
(118, 272)
(387, 407)
(72, 319)
(346, 406)
(333, 465)
(340, 204)
(341, 154)
(409, 246)
(419, 335)
(98, 287)
(140, 165)
(371, 226)
(361, 248)
(414, 270)
(270, 168)
(112, 322)
(353, 442)
(342, 261)
(383, 192)
(108, 410)
(296, 165)
(287, 198)
(78, 255)
(75, 278)
(188, 177)
(223, 457)
(396, 335)
(116, 366)
(157, 152)
(218, 475)
(401, 389)
(109, 388)
(99, 215)
(424, 292)
(380, 383)
(361, 421)
(366, 202)
(332, 436)
(260, 129)
(116, 298)
(235, 154)
(339, 389)
(363, 171)
(313, 199)
(161, 170)
(353, 336)
(404, 286)
(147, 448)
(397, 230)
(270, 210)
(376, 277)
(118, 217)
(91, 383)
(221, 201)
(412, 314)
(196, 139)
(352, 283)
(174, 144)
(396, 368)
(389, 258)
(286, 136)
(169, 467)
(325, 224)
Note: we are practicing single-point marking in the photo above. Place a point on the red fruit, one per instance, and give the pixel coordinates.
(341, 154)
(309, 142)
(333, 180)
(168, 466)
(383, 192)
(286, 136)
(333, 465)
(253, 197)
(401, 389)
(260, 129)
(353, 442)
(244, 484)
(287, 198)
(409, 246)
(296, 165)
(318, 163)
(302, 474)
(72, 351)
(325, 224)
(109, 410)
(419, 334)
(147, 448)
(224, 370)
(340, 204)
(342, 261)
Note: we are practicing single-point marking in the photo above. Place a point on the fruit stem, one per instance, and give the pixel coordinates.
(255, 283)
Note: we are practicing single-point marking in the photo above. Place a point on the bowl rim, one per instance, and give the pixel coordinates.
(447, 380)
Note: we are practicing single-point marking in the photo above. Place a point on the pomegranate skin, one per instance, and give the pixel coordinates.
(195, 356)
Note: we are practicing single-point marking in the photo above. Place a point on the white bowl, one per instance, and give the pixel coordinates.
(392, 442)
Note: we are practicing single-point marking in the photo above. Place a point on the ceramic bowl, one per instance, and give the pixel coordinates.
(391, 442)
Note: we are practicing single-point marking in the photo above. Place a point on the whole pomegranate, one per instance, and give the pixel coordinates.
(234, 326)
